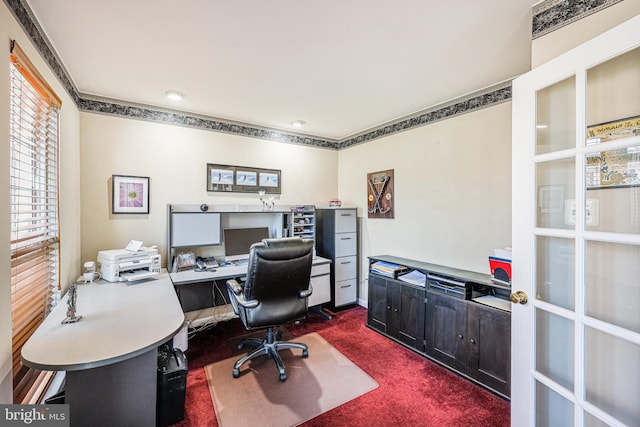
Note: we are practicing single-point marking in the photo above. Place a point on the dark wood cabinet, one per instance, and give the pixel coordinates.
(489, 344)
(377, 302)
(471, 338)
(446, 330)
(397, 310)
(443, 324)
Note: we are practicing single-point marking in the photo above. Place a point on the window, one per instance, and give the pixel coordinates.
(33, 139)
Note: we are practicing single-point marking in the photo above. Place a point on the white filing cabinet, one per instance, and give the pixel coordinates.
(337, 239)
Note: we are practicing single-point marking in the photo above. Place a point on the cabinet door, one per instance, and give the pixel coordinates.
(489, 338)
(446, 329)
(407, 315)
(377, 303)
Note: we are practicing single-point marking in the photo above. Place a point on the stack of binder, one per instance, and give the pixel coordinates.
(387, 269)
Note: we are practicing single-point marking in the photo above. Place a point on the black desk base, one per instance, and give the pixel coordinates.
(121, 394)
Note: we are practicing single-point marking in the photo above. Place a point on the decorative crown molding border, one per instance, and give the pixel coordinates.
(491, 96)
(551, 15)
(112, 107)
(547, 17)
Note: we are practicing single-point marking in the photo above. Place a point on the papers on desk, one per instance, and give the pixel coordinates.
(415, 278)
(387, 268)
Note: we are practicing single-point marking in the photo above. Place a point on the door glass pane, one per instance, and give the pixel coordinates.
(554, 348)
(612, 375)
(613, 94)
(592, 421)
(613, 196)
(555, 182)
(555, 117)
(552, 410)
(612, 285)
(555, 271)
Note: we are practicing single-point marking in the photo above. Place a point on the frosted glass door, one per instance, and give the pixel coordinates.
(576, 236)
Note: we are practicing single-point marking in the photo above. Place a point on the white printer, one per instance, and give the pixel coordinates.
(122, 265)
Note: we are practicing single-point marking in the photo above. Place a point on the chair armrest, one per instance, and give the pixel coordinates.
(306, 293)
(235, 287)
(237, 296)
(247, 303)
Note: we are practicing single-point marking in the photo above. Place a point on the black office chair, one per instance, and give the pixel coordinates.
(274, 293)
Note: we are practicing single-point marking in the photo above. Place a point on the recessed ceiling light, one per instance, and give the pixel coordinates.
(174, 95)
(298, 123)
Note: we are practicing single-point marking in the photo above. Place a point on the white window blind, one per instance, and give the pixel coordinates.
(33, 139)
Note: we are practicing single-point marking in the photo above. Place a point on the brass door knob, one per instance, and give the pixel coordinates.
(519, 297)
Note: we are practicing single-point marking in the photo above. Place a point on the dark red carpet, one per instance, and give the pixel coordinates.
(413, 391)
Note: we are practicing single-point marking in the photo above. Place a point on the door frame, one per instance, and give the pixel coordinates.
(575, 62)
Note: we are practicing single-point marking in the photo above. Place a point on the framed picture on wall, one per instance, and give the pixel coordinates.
(248, 178)
(130, 194)
(243, 179)
(380, 194)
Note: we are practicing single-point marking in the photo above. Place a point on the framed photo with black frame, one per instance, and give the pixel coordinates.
(130, 194)
(243, 179)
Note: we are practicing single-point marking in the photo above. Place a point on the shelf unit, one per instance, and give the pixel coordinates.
(300, 221)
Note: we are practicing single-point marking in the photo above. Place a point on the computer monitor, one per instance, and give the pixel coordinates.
(238, 241)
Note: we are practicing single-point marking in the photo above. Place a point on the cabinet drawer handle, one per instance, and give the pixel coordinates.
(345, 214)
(473, 341)
(345, 262)
(345, 286)
(460, 336)
(345, 238)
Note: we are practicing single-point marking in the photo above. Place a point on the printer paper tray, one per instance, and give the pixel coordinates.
(138, 275)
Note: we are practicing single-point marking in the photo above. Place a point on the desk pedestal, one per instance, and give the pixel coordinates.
(120, 394)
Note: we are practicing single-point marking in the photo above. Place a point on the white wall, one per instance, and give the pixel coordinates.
(69, 189)
(175, 159)
(452, 185)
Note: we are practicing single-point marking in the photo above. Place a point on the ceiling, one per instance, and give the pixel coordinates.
(341, 66)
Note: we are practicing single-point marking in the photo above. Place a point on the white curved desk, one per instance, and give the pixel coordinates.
(110, 355)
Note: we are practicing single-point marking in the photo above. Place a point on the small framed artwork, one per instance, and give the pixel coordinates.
(130, 194)
(270, 179)
(248, 178)
(243, 179)
(380, 194)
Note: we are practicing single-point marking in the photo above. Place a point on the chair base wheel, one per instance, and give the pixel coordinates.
(270, 347)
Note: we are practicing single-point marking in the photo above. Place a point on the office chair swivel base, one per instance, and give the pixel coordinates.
(270, 346)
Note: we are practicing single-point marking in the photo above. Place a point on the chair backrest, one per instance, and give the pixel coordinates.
(278, 270)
